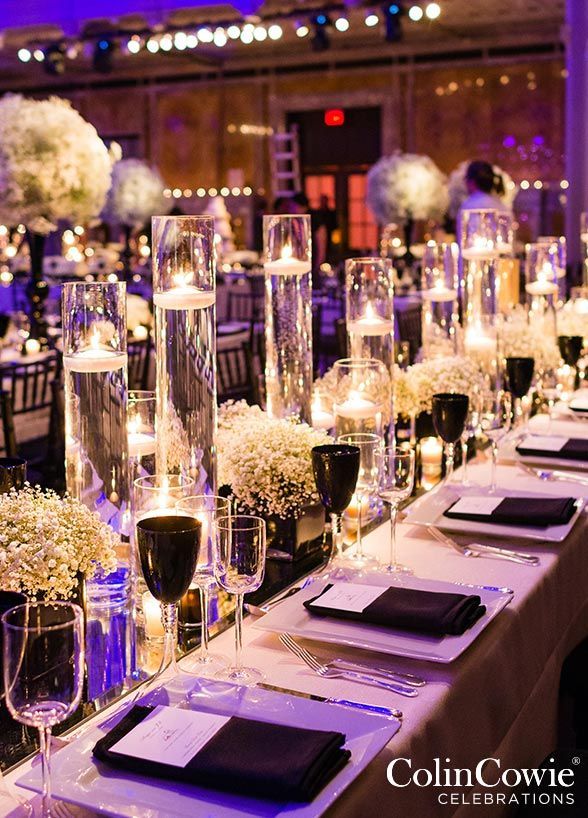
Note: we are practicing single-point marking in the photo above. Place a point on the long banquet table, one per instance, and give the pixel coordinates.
(498, 700)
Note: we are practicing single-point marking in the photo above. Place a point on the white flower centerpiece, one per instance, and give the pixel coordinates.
(404, 187)
(521, 338)
(414, 387)
(458, 191)
(48, 543)
(267, 465)
(53, 165)
(136, 194)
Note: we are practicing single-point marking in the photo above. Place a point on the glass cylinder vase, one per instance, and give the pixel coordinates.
(439, 288)
(288, 316)
(184, 296)
(479, 252)
(362, 396)
(369, 300)
(95, 367)
(558, 253)
(541, 285)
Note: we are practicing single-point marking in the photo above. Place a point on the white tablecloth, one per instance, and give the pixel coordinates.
(498, 700)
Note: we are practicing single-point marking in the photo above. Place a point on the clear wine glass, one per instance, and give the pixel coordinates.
(168, 551)
(396, 484)
(470, 430)
(43, 671)
(239, 567)
(208, 509)
(370, 447)
(495, 420)
(550, 389)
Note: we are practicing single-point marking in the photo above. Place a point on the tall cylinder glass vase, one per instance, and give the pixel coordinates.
(480, 282)
(95, 366)
(184, 296)
(439, 288)
(558, 253)
(288, 316)
(369, 309)
(541, 286)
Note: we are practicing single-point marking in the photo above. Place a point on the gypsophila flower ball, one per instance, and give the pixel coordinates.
(138, 312)
(135, 195)
(53, 164)
(520, 337)
(266, 461)
(406, 186)
(572, 322)
(458, 191)
(414, 387)
(47, 542)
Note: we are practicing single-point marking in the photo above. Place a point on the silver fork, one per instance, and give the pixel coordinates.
(331, 673)
(479, 550)
(546, 474)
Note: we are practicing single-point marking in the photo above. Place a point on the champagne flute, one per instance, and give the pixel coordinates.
(450, 411)
(470, 430)
(519, 373)
(239, 567)
(43, 671)
(207, 508)
(168, 552)
(336, 468)
(396, 484)
(370, 447)
(495, 419)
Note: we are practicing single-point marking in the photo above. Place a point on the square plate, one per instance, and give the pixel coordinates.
(291, 616)
(428, 510)
(79, 779)
(507, 451)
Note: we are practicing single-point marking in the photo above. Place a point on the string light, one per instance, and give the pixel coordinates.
(433, 11)
(342, 24)
(302, 31)
(275, 31)
(372, 20)
(233, 32)
(415, 13)
(24, 55)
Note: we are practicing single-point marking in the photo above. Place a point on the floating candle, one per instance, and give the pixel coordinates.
(431, 456)
(321, 418)
(482, 248)
(371, 324)
(286, 265)
(184, 298)
(439, 293)
(356, 407)
(152, 613)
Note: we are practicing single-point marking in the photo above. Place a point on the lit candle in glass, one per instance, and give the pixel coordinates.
(321, 418)
(95, 357)
(371, 323)
(431, 456)
(183, 295)
(287, 265)
(141, 443)
(152, 614)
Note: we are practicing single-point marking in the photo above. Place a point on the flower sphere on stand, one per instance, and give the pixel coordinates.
(136, 194)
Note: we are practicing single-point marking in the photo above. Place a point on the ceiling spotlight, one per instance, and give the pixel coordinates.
(275, 32)
(205, 35)
(433, 11)
(24, 55)
(152, 46)
(54, 62)
(134, 45)
(415, 13)
(180, 40)
(320, 38)
(341, 23)
(219, 37)
(260, 33)
(103, 53)
(372, 20)
(392, 14)
(233, 32)
(302, 31)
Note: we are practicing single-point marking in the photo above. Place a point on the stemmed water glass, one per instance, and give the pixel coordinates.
(450, 411)
(470, 429)
(43, 671)
(550, 389)
(168, 552)
(519, 373)
(396, 484)
(239, 567)
(207, 508)
(495, 420)
(370, 447)
(336, 468)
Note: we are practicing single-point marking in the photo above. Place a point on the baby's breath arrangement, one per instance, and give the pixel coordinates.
(266, 462)
(47, 541)
(414, 388)
(520, 337)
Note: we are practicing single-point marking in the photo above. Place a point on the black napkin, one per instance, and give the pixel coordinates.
(245, 757)
(574, 449)
(535, 512)
(412, 610)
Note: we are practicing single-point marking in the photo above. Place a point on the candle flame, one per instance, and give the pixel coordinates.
(95, 339)
(133, 425)
(369, 311)
(287, 251)
(183, 279)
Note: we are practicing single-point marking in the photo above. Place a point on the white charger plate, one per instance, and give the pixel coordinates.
(428, 511)
(507, 452)
(78, 779)
(291, 616)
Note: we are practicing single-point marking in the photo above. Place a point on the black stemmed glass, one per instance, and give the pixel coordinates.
(519, 373)
(450, 411)
(570, 349)
(336, 468)
(168, 551)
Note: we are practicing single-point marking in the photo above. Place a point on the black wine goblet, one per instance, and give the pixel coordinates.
(519, 373)
(336, 468)
(168, 552)
(570, 349)
(450, 411)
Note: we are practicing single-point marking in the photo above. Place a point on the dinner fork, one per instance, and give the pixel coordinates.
(478, 550)
(546, 474)
(325, 672)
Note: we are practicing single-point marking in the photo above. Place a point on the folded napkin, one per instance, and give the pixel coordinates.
(245, 757)
(573, 449)
(410, 609)
(535, 512)
(579, 405)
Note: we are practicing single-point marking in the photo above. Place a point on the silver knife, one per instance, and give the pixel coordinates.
(390, 712)
(405, 678)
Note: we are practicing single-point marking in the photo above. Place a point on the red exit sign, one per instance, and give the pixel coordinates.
(334, 117)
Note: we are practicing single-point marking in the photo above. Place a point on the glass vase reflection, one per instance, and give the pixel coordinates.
(288, 316)
(184, 297)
